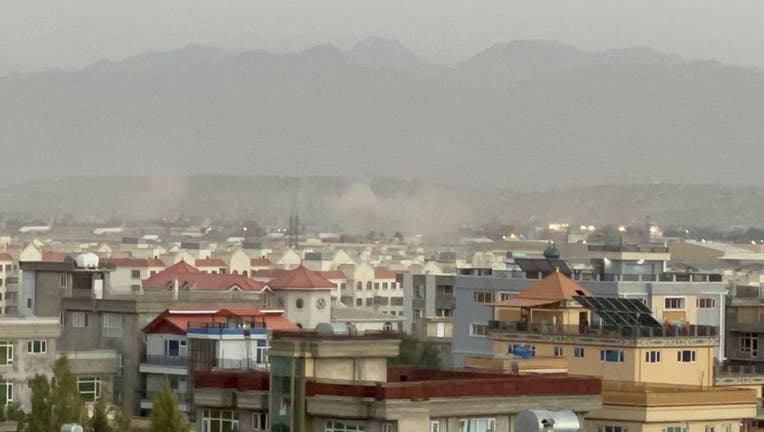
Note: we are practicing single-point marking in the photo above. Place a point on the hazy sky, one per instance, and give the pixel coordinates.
(70, 34)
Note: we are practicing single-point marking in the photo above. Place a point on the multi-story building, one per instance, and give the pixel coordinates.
(9, 285)
(657, 376)
(338, 383)
(373, 289)
(428, 308)
(619, 271)
(127, 273)
(27, 348)
(304, 295)
(180, 341)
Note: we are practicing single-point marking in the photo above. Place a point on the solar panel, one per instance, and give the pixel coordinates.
(619, 311)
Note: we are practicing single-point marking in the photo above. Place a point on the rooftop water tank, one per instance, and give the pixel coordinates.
(543, 420)
(70, 427)
(332, 329)
(87, 260)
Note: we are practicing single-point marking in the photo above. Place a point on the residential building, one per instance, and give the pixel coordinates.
(674, 297)
(655, 375)
(9, 285)
(337, 383)
(27, 348)
(373, 289)
(180, 341)
(127, 273)
(304, 295)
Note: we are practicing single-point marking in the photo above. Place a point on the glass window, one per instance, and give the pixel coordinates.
(219, 420)
(478, 329)
(578, 352)
(611, 356)
(343, 426)
(78, 319)
(6, 352)
(612, 429)
(749, 344)
(483, 297)
(434, 426)
(674, 303)
(6, 389)
(477, 425)
(685, 356)
(112, 325)
(298, 303)
(558, 352)
(653, 356)
(706, 303)
(89, 388)
(37, 346)
(260, 421)
(135, 274)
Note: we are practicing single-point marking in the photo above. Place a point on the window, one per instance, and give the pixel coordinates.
(78, 319)
(388, 427)
(89, 388)
(376, 285)
(37, 346)
(298, 303)
(444, 290)
(434, 426)
(709, 428)
(6, 389)
(260, 420)
(612, 429)
(418, 313)
(673, 303)
(359, 302)
(706, 303)
(443, 313)
(611, 356)
(685, 356)
(387, 326)
(369, 301)
(135, 274)
(477, 425)
(396, 301)
(368, 286)
(219, 420)
(6, 352)
(63, 281)
(478, 329)
(749, 344)
(483, 297)
(321, 304)
(384, 285)
(135, 288)
(674, 429)
(152, 272)
(505, 295)
(343, 426)
(175, 348)
(513, 349)
(359, 286)
(112, 325)
(578, 352)
(558, 352)
(653, 356)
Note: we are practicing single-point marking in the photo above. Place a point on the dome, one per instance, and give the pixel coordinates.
(551, 252)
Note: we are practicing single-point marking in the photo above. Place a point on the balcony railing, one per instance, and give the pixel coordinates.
(164, 360)
(612, 277)
(182, 397)
(601, 330)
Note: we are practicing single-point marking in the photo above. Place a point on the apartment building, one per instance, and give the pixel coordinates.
(373, 289)
(27, 348)
(339, 382)
(127, 273)
(9, 285)
(656, 376)
(179, 341)
(617, 271)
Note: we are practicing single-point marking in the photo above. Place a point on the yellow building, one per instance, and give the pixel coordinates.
(656, 377)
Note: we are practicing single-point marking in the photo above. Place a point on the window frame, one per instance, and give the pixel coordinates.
(653, 356)
(207, 419)
(336, 425)
(579, 352)
(682, 303)
(42, 346)
(96, 392)
(108, 329)
(480, 334)
(680, 356)
(7, 385)
(260, 420)
(9, 352)
(604, 355)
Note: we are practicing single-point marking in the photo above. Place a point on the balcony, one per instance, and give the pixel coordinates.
(162, 364)
(498, 329)
(147, 398)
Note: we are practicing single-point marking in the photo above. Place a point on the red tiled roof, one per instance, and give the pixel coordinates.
(210, 262)
(135, 262)
(6, 257)
(202, 281)
(49, 256)
(383, 273)
(268, 273)
(301, 278)
(182, 267)
(333, 274)
(179, 320)
(259, 262)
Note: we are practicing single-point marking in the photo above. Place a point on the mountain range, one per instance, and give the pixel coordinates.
(525, 115)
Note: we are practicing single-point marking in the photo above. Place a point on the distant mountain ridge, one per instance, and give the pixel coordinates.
(525, 115)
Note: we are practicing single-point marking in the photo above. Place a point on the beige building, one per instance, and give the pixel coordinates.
(656, 377)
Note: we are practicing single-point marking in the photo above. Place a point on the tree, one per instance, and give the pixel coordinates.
(406, 351)
(39, 418)
(67, 405)
(414, 352)
(99, 422)
(429, 356)
(165, 412)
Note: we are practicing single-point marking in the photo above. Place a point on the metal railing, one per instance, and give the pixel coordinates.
(602, 330)
(165, 360)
